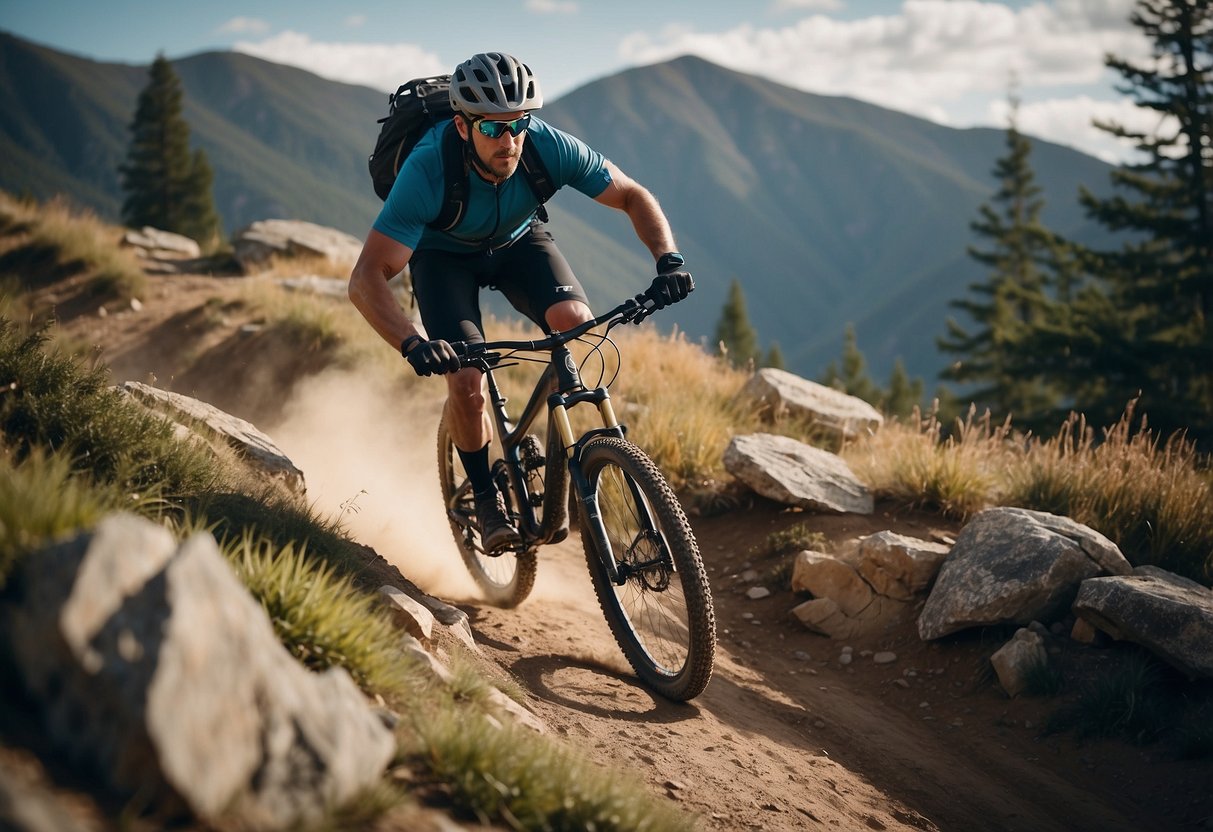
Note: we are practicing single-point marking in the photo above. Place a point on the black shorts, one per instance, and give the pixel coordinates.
(531, 272)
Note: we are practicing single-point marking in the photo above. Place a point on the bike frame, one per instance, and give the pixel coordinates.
(563, 378)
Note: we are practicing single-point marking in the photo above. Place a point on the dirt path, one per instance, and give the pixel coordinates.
(786, 736)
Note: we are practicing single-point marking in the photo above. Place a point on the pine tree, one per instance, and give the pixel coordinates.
(734, 332)
(1025, 261)
(774, 357)
(853, 378)
(165, 186)
(903, 394)
(1143, 322)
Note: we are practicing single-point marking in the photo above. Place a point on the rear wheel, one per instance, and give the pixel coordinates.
(505, 580)
(661, 615)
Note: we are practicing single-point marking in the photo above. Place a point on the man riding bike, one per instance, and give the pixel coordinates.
(498, 242)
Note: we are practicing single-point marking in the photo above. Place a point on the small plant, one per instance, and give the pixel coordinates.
(1043, 679)
(1128, 701)
(795, 538)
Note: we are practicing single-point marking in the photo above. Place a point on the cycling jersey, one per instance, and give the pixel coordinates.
(496, 215)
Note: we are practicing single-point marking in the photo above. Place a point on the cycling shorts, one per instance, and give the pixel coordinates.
(531, 272)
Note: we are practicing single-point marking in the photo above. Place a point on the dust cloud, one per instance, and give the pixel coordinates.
(369, 458)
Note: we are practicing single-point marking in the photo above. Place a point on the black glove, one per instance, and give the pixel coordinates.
(432, 357)
(672, 283)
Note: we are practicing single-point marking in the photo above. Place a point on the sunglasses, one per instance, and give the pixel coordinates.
(494, 129)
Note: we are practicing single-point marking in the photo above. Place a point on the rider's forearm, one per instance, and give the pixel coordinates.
(649, 221)
(371, 296)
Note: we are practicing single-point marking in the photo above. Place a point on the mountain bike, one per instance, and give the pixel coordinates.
(643, 560)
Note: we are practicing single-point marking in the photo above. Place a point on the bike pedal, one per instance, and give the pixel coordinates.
(559, 535)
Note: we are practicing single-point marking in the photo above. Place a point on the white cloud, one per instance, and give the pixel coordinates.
(932, 58)
(780, 6)
(1068, 121)
(244, 26)
(384, 66)
(552, 6)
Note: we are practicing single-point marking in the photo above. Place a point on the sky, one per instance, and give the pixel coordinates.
(954, 62)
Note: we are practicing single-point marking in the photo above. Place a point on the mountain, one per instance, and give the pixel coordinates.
(828, 210)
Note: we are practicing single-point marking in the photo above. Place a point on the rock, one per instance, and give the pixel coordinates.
(884, 657)
(254, 245)
(828, 577)
(791, 472)
(1169, 615)
(898, 566)
(1016, 660)
(1084, 632)
(156, 669)
(784, 393)
(756, 593)
(1012, 565)
(410, 615)
(157, 243)
(251, 444)
(822, 615)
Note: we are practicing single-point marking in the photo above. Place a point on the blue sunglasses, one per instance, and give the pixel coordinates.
(494, 129)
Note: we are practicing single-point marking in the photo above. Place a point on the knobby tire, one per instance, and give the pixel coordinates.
(505, 580)
(662, 619)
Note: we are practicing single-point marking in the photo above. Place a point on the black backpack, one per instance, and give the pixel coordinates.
(412, 110)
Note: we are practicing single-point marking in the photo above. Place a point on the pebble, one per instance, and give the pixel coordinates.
(901, 683)
(801, 655)
(885, 657)
(845, 658)
(749, 576)
(756, 592)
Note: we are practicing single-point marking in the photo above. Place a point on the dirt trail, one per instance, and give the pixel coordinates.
(785, 736)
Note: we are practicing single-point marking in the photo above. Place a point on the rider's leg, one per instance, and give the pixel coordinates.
(567, 314)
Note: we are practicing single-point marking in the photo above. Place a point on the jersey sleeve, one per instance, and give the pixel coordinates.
(416, 196)
(570, 161)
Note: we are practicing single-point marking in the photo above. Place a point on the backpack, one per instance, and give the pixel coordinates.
(413, 109)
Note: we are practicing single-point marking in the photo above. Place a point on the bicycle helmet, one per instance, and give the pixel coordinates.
(492, 83)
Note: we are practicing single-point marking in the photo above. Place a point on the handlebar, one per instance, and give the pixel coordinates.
(632, 310)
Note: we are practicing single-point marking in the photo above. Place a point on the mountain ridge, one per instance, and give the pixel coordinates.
(827, 209)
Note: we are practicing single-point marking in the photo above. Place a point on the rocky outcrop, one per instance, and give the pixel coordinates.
(153, 242)
(781, 393)
(157, 670)
(250, 443)
(788, 471)
(1169, 615)
(255, 245)
(1014, 566)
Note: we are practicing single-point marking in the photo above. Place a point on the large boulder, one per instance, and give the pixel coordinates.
(788, 471)
(786, 394)
(1015, 566)
(255, 245)
(158, 672)
(1169, 615)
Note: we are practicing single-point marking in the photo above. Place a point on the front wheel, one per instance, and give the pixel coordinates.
(506, 580)
(661, 614)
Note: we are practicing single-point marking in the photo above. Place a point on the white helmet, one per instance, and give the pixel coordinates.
(492, 83)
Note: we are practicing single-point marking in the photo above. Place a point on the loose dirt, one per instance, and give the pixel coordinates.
(786, 736)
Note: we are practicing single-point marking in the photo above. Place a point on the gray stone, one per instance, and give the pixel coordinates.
(1016, 660)
(157, 670)
(784, 393)
(1169, 615)
(255, 245)
(899, 566)
(250, 443)
(1012, 565)
(158, 243)
(788, 471)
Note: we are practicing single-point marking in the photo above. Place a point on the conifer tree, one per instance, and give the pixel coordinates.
(903, 394)
(734, 332)
(1144, 322)
(166, 187)
(853, 379)
(774, 357)
(1025, 260)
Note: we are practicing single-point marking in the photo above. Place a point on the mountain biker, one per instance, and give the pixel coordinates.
(499, 242)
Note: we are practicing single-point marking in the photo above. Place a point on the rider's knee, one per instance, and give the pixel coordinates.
(567, 314)
(465, 389)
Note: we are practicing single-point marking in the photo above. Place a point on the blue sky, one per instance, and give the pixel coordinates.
(947, 60)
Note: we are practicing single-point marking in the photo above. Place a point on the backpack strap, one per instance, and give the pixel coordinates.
(455, 172)
(455, 175)
(537, 177)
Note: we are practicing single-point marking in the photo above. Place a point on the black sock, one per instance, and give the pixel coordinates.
(476, 463)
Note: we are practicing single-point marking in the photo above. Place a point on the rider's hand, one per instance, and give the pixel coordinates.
(672, 283)
(432, 358)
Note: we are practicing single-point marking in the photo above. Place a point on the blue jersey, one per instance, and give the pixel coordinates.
(496, 214)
